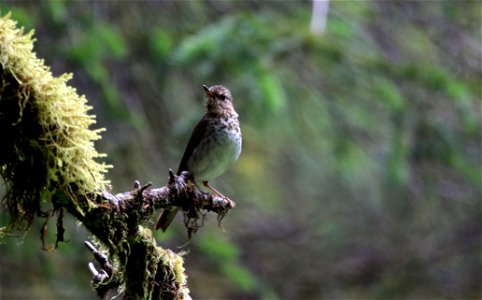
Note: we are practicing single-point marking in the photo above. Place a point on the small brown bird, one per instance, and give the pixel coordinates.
(215, 144)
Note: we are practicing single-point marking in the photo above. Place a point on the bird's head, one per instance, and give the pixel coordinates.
(219, 100)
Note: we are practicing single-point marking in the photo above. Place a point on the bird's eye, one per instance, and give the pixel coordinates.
(222, 97)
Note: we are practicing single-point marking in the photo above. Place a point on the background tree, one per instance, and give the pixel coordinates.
(362, 145)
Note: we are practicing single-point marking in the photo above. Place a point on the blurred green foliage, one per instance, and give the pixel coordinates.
(94, 45)
(360, 175)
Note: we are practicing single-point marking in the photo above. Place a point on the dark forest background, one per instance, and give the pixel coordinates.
(360, 176)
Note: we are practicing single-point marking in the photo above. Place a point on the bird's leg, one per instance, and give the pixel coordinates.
(231, 203)
(206, 184)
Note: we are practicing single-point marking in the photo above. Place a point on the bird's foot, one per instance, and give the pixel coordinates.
(224, 199)
(223, 202)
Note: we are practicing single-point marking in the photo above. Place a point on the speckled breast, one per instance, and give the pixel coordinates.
(218, 150)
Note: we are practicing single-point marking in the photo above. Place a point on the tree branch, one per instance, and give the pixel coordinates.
(48, 153)
(118, 221)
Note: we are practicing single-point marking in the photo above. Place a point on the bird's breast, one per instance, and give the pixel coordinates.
(217, 151)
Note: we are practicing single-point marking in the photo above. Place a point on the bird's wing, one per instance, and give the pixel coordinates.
(196, 136)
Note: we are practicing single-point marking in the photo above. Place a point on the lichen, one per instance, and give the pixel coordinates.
(174, 261)
(48, 145)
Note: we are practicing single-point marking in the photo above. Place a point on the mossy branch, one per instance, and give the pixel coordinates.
(118, 223)
(48, 156)
(47, 143)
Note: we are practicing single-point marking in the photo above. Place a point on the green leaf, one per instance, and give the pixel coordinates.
(161, 43)
(389, 93)
(221, 250)
(398, 161)
(241, 276)
(99, 42)
(56, 11)
(272, 92)
(207, 43)
(111, 41)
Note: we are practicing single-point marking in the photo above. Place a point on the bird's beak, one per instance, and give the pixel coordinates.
(207, 91)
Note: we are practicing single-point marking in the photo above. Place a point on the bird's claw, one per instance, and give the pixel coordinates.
(223, 202)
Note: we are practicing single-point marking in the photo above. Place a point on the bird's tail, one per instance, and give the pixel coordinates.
(165, 218)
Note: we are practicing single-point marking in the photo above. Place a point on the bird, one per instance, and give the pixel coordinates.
(214, 146)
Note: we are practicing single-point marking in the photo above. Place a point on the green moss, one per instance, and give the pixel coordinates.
(49, 147)
(174, 261)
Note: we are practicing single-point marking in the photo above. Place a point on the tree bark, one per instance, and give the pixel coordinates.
(142, 269)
